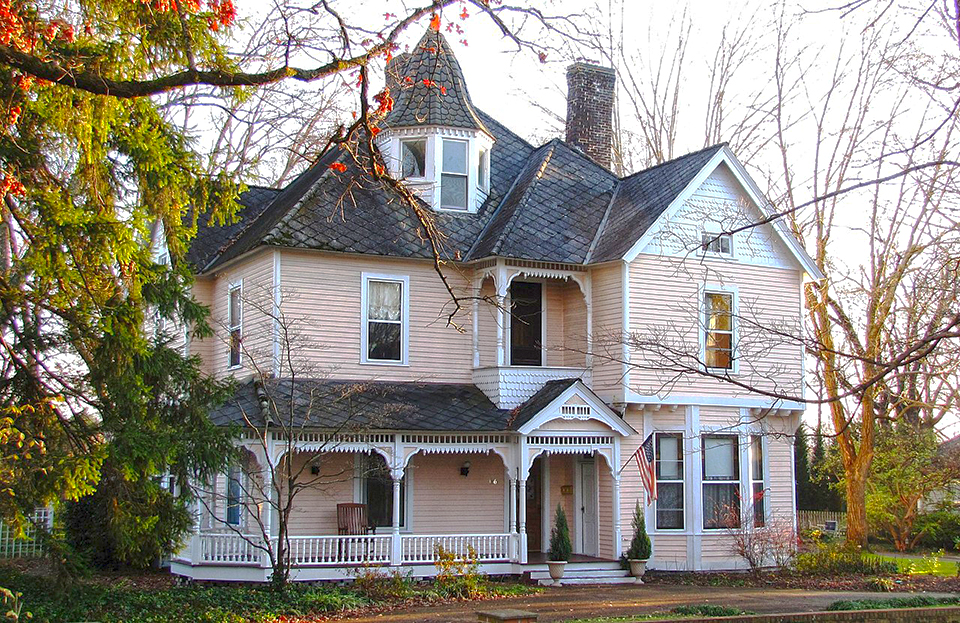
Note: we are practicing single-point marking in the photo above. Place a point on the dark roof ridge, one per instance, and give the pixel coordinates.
(506, 195)
(544, 161)
(675, 160)
(603, 223)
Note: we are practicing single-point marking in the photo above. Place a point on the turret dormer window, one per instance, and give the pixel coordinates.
(483, 170)
(413, 158)
(453, 176)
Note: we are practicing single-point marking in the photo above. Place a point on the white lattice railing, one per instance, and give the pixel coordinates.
(486, 547)
(346, 549)
(14, 546)
(233, 549)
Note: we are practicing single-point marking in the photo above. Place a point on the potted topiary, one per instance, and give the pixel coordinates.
(639, 551)
(560, 547)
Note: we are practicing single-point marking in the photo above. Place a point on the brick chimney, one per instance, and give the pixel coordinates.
(590, 91)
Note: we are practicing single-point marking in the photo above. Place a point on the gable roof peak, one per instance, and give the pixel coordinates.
(432, 89)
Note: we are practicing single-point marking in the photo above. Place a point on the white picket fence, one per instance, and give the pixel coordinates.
(821, 520)
(26, 546)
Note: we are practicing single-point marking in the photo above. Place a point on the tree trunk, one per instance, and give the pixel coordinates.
(856, 485)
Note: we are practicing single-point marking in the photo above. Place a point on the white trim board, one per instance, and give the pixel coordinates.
(599, 411)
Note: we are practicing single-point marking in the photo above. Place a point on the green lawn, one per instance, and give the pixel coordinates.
(679, 613)
(927, 565)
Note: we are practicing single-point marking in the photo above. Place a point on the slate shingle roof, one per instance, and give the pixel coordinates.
(640, 200)
(432, 88)
(539, 401)
(211, 239)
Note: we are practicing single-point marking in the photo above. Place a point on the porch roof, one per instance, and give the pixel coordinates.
(366, 405)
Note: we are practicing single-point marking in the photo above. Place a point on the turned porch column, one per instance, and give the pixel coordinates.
(512, 515)
(523, 521)
(617, 536)
(396, 550)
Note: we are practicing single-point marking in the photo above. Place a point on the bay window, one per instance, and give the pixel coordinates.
(385, 326)
(721, 481)
(718, 331)
(669, 474)
(453, 176)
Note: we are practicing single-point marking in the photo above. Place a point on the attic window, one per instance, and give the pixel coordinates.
(453, 176)
(721, 244)
(413, 157)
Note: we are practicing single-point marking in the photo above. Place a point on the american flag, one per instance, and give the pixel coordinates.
(645, 463)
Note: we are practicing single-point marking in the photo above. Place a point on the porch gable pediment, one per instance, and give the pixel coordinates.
(576, 408)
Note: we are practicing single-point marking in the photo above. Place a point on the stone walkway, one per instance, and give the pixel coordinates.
(577, 602)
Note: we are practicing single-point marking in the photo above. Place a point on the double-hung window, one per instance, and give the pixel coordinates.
(669, 468)
(235, 322)
(718, 332)
(453, 176)
(385, 319)
(234, 495)
(757, 481)
(721, 481)
(718, 244)
(376, 491)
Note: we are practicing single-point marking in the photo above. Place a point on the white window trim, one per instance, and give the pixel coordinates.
(469, 160)
(718, 254)
(682, 481)
(359, 493)
(365, 278)
(704, 482)
(234, 285)
(733, 292)
(507, 332)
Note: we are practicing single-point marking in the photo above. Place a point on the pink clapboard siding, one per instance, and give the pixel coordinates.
(321, 293)
(665, 300)
(315, 508)
(444, 502)
(607, 290)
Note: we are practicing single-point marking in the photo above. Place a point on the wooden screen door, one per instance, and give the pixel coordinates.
(587, 535)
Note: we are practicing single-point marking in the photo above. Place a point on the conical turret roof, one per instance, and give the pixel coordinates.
(432, 88)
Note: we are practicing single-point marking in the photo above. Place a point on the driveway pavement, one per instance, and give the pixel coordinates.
(575, 602)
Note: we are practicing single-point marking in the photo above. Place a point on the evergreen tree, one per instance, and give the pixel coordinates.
(805, 485)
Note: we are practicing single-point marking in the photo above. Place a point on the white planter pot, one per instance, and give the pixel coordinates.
(556, 570)
(637, 568)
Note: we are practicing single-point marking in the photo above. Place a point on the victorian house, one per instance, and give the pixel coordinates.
(590, 303)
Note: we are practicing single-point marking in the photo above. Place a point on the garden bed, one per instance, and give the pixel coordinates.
(790, 579)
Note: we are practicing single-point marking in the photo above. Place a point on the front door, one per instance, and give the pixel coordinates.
(534, 504)
(587, 533)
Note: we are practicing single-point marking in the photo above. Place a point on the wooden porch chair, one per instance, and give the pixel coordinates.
(352, 519)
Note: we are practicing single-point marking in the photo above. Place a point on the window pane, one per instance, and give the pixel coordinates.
(756, 457)
(383, 341)
(669, 459)
(721, 506)
(719, 350)
(378, 493)
(719, 308)
(454, 157)
(234, 305)
(413, 158)
(670, 506)
(759, 504)
(235, 347)
(234, 492)
(720, 458)
(453, 191)
(526, 324)
(384, 300)
(482, 170)
(724, 244)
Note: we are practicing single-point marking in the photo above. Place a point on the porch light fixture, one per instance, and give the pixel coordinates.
(465, 469)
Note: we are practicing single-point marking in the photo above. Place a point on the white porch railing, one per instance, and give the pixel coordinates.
(333, 550)
(232, 549)
(486, 547)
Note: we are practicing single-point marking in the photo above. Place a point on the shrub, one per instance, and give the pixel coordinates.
(918, 601)
(709, 610)
(377, 584)
(881, 585)
(459, 576)
(938, 529)
(640, 545)
(832, 560)
(560, 546)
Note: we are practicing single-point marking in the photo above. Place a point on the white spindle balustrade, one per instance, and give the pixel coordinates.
(235, 549)
(344, 549)
(486, 547)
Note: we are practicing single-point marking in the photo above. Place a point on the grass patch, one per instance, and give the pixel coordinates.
(928, 565)
(678, 613)
(201, 604)
(919, 601)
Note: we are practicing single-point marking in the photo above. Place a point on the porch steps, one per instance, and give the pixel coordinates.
(600, 572)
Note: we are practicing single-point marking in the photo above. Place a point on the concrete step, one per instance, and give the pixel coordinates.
(567, 581)
(582, 573)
